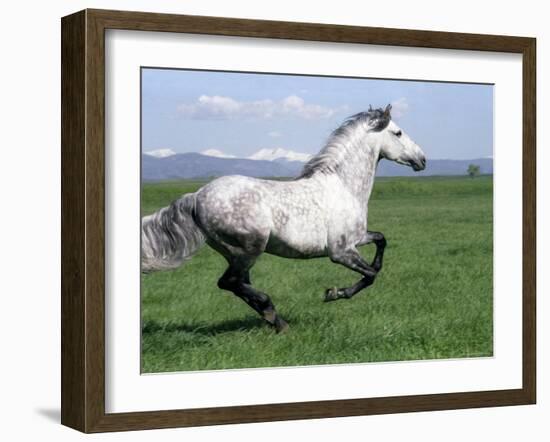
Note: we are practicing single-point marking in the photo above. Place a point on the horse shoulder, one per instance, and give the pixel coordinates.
(347, 219)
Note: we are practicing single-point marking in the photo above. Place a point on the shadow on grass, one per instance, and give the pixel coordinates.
(151, 327)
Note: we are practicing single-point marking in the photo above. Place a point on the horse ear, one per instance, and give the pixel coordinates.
(370, 107)
(387, 113)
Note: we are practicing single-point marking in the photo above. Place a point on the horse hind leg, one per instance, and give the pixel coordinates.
(236, 279)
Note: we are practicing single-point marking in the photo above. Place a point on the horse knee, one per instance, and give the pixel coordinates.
(381, 242)
(377, 238)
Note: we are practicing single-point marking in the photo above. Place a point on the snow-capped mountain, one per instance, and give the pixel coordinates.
(279, 153)
(267, 154)
(160, 153)
(216, 153)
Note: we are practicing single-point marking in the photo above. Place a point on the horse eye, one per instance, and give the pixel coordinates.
(398, 133)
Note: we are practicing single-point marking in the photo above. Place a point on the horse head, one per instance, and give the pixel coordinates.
(393, 143)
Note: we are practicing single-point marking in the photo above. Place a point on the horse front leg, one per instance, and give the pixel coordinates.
(380, 241)
(351, 259)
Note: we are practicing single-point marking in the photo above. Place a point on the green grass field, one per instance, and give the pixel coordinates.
(432, 299)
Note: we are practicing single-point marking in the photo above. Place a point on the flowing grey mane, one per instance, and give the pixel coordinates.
(329, 157)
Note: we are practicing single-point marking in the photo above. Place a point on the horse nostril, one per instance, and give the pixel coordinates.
(420, 163)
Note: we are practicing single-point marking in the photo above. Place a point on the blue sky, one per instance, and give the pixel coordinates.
(241, 113)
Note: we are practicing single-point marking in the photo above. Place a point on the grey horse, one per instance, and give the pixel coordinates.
(323, 212)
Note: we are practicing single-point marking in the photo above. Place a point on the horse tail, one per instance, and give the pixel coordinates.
(170, 236)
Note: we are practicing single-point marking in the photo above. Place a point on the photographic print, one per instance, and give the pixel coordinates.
(298, 220)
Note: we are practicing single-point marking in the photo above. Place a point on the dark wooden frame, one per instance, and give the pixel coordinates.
(83, 216)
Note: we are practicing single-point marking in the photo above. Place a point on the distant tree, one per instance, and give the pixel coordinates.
(473, 170)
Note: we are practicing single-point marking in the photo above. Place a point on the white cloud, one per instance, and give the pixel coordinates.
(216, 107)
(399, 107)
(274, 134)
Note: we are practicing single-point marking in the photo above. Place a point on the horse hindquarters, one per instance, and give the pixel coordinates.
(237, 223)
(232, 214)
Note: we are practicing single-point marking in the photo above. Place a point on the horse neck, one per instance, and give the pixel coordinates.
(355, 164)
(357, 172)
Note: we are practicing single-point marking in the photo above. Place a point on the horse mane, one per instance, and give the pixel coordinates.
(329, 158)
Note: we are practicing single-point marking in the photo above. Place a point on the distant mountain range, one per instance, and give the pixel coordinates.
(277, 153)
(165, 164)
(196, 165)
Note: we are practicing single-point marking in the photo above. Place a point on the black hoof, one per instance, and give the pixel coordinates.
(335, 293)
(281, 325)
(276, 321)
(332, 294)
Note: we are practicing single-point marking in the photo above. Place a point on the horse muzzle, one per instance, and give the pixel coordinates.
(418, 164)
